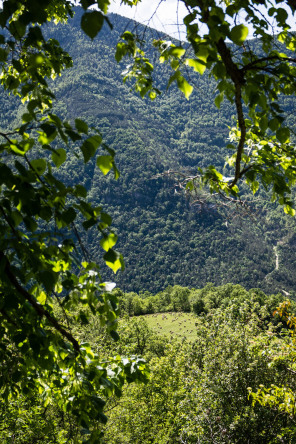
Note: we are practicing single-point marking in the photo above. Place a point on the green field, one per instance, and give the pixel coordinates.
(179, 325)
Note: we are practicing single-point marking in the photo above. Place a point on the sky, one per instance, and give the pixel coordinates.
(168, 17)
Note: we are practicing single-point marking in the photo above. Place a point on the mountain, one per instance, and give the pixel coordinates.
(165, 237)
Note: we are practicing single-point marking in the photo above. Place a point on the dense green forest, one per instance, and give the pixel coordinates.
(163, 233)
(203, 387)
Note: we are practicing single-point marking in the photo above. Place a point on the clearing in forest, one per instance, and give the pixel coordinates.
(179, 325)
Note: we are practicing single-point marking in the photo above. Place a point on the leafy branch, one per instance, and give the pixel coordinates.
(40, 310)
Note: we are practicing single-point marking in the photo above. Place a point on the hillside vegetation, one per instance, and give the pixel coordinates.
(161, 232)
(205, 384)
(166, 239)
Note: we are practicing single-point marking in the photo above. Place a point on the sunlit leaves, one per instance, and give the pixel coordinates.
(103, 5)
(239, 33)
(105, 163)
(42, 297)
(182, 83)
(288, 209)
(171, 51)
(114, 260)
(22, 147)
(129, 46)
(41, 246)
(184, 86)
(197, 65)
(108, 241)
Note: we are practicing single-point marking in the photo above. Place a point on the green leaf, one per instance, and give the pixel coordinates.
(16, 217)
(202, 53)
(273, 124)
(283, 135)
(108, 241)
(87, 3)
(59, 156)
(34, 341)
(95, 140)
(48, 279)
(81, 126)
(17, 28)
(184, 86)
(106, 219)
(177, 51)
(121, 50)
(113, 260)
(30, 224)
(39, 165)
(153, 94)
(45, 213)
(83, 318)
(238, 34)
(56, 120)
(89, 223)
(255, 186)
(116, 172)
(22, 147)
(69, 215)
(3, 55)
(102, 418)
(26, 117)
(219, 70)
(74, 136)
(80, 191)
(289, 210)
(263, 123)
(90, 146)
(103, 5)
(197, 65)
(92, 22)
(282, 16)
(105, 163)
(41, 298)
(114, 335)
(219, 99)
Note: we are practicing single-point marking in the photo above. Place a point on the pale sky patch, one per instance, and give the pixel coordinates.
(165, 16)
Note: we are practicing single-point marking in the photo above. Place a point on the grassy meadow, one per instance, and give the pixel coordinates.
(180, 325)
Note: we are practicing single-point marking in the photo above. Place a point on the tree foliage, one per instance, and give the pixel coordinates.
(199, 389)
(252, 81)
(43, 262)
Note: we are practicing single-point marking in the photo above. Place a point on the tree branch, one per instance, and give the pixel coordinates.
(41, 311)
(252, 65)
(237, 77)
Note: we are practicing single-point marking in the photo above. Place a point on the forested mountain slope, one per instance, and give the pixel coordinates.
(165, 238)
